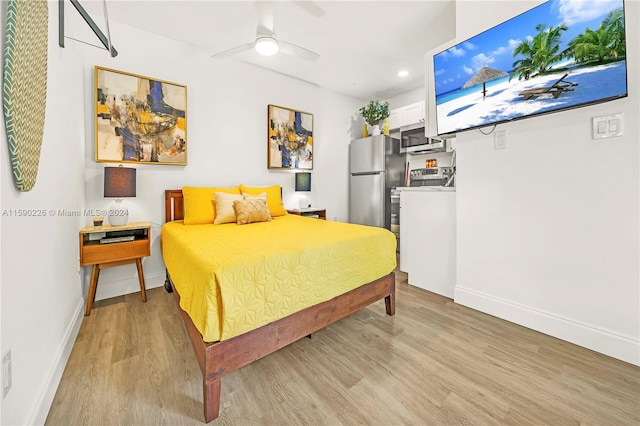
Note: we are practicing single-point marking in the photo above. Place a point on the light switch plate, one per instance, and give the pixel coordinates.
(500, 140)
(607, 126)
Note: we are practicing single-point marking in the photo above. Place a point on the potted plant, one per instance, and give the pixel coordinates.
(373, 112)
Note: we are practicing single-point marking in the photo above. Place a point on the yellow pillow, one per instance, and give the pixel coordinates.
(224, 207)
(199, 205)
(274, 197)
(251, 209)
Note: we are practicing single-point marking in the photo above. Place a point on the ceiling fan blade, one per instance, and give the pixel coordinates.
(265, 14)
(311, 7)
(297, 51)
(233, 51)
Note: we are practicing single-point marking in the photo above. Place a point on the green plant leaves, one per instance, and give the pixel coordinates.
(374, 112)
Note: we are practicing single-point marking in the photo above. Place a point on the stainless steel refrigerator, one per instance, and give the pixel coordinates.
(375, 167)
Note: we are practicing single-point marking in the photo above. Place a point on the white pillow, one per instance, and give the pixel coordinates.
(262, 196)
(225, 212)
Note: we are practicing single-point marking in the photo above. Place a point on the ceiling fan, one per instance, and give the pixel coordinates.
(266, 43)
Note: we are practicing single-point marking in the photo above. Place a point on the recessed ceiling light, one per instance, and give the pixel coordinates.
(403, 73)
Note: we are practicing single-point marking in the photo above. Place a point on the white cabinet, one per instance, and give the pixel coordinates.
(394, 119)
(407, 115)
(428, 239)
(450, 144)
(412, 114)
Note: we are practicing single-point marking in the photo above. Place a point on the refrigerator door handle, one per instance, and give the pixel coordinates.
(366, 173)
(384, 201)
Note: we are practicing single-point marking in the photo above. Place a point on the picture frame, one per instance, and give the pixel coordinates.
(289, 139)
(139, 119)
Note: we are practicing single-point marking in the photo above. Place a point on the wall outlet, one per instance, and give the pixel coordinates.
(6, 373)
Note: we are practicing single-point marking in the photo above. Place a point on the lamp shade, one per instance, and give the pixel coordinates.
(119, 182)
(303, 181)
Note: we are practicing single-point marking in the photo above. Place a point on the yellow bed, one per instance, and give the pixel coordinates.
(248, 290)
(233, 279)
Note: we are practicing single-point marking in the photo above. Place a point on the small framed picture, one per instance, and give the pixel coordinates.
(290, 139)
(139, 119)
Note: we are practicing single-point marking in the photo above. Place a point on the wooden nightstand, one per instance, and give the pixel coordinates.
(107, 246)
(310, 212)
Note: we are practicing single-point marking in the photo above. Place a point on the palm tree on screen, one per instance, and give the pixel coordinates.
(538, 53)
(614, 23)
(605, 43)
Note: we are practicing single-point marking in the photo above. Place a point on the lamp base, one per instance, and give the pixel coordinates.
(118, 213)
(304, 202)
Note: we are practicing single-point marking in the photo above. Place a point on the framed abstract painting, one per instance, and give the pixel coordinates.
(139, 119)
(290, 139)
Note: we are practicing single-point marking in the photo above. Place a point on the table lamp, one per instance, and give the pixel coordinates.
(119, 182)
(303, 184)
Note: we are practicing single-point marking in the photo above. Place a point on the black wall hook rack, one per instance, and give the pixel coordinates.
(103, 39)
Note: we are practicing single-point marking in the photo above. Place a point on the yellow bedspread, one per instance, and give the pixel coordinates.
(235, 278)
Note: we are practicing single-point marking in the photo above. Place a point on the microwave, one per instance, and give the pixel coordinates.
(413, 140)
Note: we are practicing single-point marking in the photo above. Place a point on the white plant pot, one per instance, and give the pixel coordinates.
(375, 130)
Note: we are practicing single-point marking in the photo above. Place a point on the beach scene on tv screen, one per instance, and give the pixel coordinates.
(559, 55)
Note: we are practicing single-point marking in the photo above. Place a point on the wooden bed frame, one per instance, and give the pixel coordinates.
(221, 358)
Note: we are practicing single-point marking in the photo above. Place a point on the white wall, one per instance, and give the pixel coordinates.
(42, 293)
(226, 128)
(41, 288)
(548, 229)
(407, 98)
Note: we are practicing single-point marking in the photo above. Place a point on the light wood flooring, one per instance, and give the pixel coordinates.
(434, 363)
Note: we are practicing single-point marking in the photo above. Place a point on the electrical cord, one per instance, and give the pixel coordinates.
(492, 130)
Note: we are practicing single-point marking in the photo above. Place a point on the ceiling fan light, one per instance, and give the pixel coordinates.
(267, 46)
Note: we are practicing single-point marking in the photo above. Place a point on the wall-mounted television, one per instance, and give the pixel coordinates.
(559, 55)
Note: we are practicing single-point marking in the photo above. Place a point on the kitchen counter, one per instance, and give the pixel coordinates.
(428, 237)
(426, 188)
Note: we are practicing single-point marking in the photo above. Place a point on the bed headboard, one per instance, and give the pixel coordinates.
(173, 205)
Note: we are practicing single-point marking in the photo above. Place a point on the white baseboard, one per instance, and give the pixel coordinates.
(603, 341)
(109, 289)
(45, 399)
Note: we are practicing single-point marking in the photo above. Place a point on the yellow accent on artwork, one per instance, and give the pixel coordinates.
(147, 125)
(289, 139)
(102, 109)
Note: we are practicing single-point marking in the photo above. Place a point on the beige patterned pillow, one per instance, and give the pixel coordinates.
(251, 210)
(262, 196)
(225, 212)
